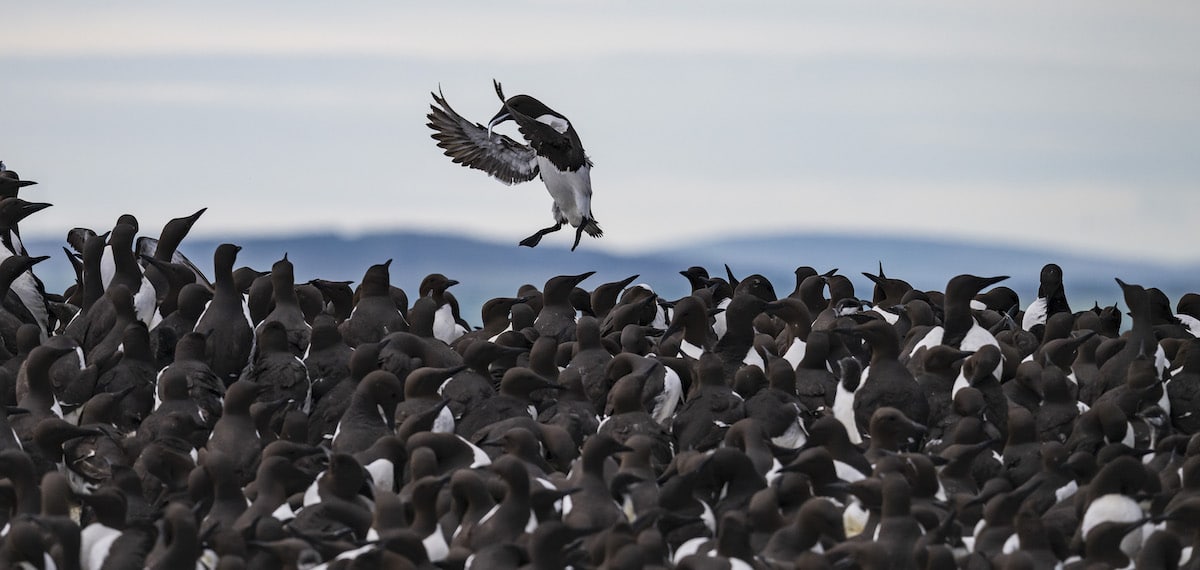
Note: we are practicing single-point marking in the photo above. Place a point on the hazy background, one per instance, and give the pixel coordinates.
(1070, 128)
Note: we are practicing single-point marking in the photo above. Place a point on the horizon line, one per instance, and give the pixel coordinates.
(621, 250)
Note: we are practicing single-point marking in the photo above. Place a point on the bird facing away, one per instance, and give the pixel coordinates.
(554, 152)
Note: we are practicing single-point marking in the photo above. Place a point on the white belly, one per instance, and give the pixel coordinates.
(571, 191)
(753, 358)
(95, 541)
(690, 349)
(719, 320)
(795, 353)
(931, 339)
(445, 328)
(795, 436)
(1114, 508)
(843, 410)
(888, 316)
(666, 402)
(444, 423)
(977, 337)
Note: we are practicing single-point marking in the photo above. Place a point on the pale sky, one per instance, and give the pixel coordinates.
(1068, 125)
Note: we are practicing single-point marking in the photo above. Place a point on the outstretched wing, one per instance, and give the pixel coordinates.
(469, 144)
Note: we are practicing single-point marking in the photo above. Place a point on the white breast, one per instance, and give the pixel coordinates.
(481, 457)
(977, 338)
(1066, 491)
(794, 437)
(1192, 323)
(145, 303)
(444, 423)
(795, 353)
(25, 286)
(1114, 508)
(931, 339)
(445, 328)
(689, 548)
(888, 316)
(843, 410)
(572, 191)
(846, 472)
(383, 473)
(719, 320)
(284, 513)
(668, 400)
(95, 542)
(753, 358)
(1012, 545)
(959, 383)
(690, 349)
(854, 518)
(435, 546)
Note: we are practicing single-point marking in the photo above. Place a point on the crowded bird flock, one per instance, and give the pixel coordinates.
(162, 413)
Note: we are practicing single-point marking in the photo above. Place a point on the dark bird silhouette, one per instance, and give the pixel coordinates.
(554, 153)
(226, 321)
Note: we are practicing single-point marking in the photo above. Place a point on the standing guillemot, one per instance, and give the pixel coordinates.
(287, 311)
(554, 152)
(557, 317)
(447, 324)
(226, 319)
(1051, 299)
(376, 313)
(28, 287)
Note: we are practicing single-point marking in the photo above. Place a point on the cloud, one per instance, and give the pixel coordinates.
(217, 93)
(1073, 33)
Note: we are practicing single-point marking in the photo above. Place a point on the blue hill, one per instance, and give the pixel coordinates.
(488, 269)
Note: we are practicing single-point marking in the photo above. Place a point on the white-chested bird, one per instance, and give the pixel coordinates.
(554, 152)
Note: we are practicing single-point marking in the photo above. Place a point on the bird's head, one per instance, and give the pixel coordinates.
(527, 106)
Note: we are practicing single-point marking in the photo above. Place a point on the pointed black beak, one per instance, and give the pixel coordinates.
(500, 117)
(986, 282)
(576, 280)
(874, 278)
(30, 208)
(161, 265)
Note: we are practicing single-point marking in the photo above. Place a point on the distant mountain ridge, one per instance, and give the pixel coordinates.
(489, 269)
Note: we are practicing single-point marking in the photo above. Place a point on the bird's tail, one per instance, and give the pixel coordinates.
(593, 229)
